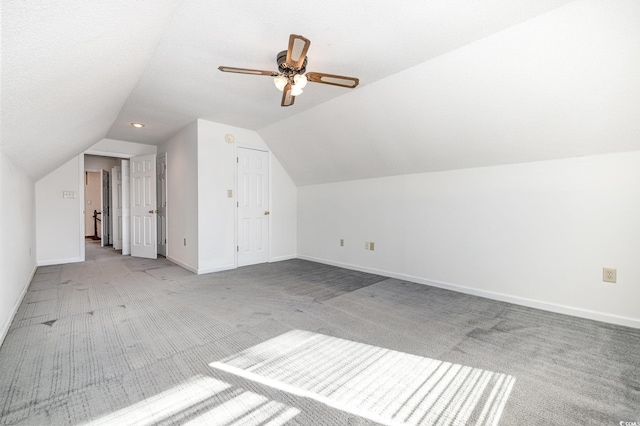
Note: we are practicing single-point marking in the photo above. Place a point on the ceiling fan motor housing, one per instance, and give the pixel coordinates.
(284, 69)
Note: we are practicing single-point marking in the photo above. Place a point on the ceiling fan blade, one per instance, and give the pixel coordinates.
(287, 97)
(247, 71)
(335, 80)
(297, 51)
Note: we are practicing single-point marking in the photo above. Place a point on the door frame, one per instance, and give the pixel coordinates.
(126, 208)
(165, 197)
(104, 220)
(84, 211)
(116, 207)
(81, 170)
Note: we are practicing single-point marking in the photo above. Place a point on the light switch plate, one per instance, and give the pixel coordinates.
(68, 194)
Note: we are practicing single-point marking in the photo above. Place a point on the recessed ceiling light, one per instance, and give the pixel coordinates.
(137, 125)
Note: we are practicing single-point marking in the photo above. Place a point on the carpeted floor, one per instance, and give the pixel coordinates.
(117, 340)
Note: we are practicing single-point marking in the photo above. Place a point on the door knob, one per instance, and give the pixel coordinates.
(153, 211)
(266, 212)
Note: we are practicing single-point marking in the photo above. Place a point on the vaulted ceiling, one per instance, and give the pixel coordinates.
(443, 84)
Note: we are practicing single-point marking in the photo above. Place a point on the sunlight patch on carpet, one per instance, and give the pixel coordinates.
(202, 401)
(378, 384)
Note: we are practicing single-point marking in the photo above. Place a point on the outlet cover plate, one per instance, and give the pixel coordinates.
(609, 275)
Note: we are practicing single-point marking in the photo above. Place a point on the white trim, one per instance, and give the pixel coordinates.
(235, 208)
(81, 189)
(523, 301)
(7, 324)
(108, 154)
(59, 261)
(281, 258)
(226, 267)
(166, 198)
(270, 233)
(182, 264)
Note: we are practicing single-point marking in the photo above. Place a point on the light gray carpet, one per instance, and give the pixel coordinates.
(118, 340)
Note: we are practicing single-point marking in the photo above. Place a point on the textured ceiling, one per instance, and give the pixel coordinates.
(443, 84)
(67, 68)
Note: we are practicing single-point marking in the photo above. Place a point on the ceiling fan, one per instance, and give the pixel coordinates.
(290, 77)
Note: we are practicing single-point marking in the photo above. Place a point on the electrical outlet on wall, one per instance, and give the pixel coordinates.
(341, 242)
(609, 275)
(366, 245)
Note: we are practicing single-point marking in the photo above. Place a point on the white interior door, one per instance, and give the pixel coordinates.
(253, 206)
(106, 208)
(116, 210)
(161, 169)
(143, 206)
(126, 212)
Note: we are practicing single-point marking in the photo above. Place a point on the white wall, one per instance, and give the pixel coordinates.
(217, 213)
(17, 234)
(60, 228)
(182, 197)
(201, 168)
(60, 221)
(536, 233)
(284, 213)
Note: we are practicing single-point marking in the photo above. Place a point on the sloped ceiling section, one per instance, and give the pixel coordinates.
(67, 68)
(365, 39)
(444, 84)
(74, 72)
(564, 84)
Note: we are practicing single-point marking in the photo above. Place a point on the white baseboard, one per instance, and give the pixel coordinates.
(183, 265)
(216, 269)
(281, 258)
(531, 303)
(59, 261)
(14, 311)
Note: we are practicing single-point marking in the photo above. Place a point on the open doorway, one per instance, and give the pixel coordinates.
(120, 210)
(93, 206)
(99, 200)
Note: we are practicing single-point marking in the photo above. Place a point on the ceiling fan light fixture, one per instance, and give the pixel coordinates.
(280, 81)
(295, 90)
(300, 81)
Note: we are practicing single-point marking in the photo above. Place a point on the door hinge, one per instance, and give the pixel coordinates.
(165, 241)
(237, 203)
(237, 248)
(237, 159)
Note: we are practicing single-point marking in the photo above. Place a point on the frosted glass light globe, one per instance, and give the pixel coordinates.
(300, 80)
(280, 81)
